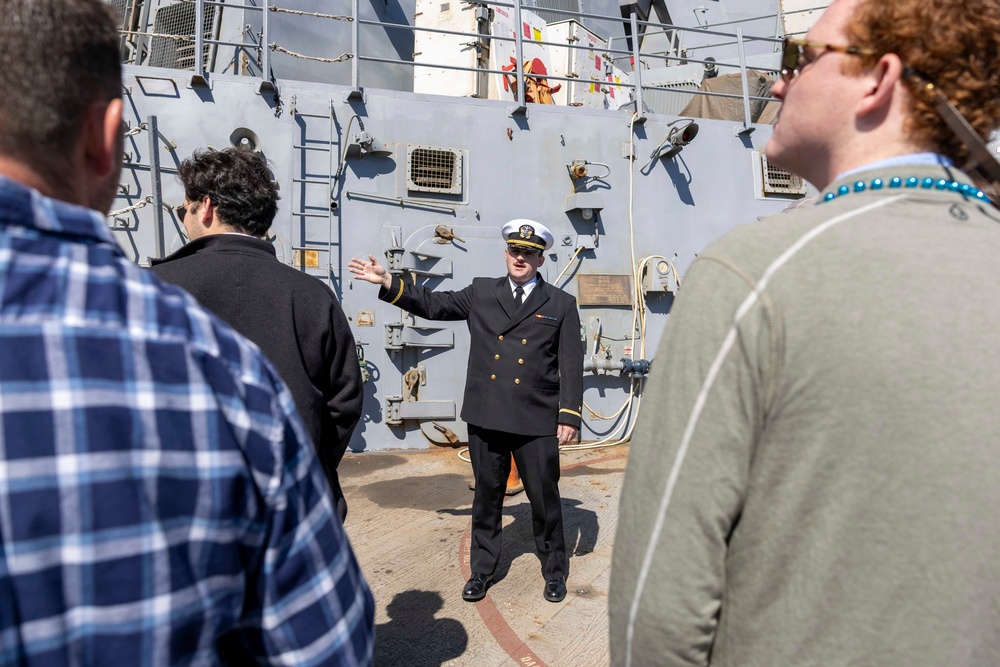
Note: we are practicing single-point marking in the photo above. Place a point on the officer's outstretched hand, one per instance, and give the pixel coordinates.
(370, 271)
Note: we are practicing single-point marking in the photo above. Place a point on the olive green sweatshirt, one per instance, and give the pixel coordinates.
(815, 476)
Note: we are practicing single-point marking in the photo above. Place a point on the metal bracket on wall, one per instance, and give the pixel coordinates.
(428, 265)
(394, 260)
(398, 337)
(396, 410)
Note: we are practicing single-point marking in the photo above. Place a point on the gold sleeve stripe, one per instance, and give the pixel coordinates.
(400, 292)
(572, 412)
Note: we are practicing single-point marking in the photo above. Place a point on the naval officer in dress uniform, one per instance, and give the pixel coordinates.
(523, 392)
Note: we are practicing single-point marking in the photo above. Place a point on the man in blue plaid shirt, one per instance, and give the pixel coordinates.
(160, 502)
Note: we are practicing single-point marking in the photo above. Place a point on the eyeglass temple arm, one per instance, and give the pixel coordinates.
(980, 158)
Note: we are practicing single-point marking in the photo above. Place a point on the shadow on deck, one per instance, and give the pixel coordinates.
(409, 524)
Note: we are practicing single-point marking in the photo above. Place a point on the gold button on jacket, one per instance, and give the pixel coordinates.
(517, 381)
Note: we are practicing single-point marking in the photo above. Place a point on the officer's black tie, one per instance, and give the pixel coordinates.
(518, 296)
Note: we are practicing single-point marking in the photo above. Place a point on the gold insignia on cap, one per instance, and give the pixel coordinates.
(526, 231)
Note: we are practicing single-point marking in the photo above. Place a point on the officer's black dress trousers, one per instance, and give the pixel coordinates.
(537, 460)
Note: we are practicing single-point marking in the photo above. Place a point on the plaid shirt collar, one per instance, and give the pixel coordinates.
(26, 207)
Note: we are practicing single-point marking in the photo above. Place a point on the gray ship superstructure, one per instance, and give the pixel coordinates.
(397, 129)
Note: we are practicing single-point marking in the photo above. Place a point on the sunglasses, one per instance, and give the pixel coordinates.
(794, 51)
(524, 252)
(181, 211)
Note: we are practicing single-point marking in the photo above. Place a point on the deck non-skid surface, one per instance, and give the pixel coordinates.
(409, 524)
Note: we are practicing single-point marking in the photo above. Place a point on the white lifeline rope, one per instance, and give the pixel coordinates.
(134, 207)
(706, 387)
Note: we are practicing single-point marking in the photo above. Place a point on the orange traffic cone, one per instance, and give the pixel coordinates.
(514, 483)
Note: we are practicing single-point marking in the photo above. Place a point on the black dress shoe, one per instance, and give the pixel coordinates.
(475, 588)
(555, 590)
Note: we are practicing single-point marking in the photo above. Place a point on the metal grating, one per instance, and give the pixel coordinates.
(552, 17)
(780, 182)
(433, 170)
(670, 98)
(119, 8)
(178, 19)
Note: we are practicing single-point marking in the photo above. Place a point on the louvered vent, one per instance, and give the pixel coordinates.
(780, 182)
(433, 170)
(552, 17)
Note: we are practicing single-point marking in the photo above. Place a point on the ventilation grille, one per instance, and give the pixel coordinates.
(127, 13)
(552, 17)
(433, 170)
(780, 182)
(119, 7)
(178, 19)
(670, 98)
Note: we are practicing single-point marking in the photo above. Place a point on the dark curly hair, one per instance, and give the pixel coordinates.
(239, 184)
(955, 44)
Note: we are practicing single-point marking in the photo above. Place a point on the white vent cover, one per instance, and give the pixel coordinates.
(430, 169)
(780, 182)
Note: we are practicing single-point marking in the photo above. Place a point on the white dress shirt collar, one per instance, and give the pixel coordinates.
(527, 287)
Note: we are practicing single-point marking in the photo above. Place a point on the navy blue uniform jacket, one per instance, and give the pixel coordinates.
(525, 365)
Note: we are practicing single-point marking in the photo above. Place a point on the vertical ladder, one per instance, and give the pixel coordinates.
(312, 201)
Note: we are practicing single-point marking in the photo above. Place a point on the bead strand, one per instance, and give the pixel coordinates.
(912, 182)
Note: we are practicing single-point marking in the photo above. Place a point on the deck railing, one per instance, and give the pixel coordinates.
(261, 45)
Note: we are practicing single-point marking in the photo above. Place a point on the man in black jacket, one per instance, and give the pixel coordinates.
(523, 392)
(229, 204)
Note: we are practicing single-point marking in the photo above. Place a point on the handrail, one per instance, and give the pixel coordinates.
(747, 20)
(622, 84)
(560, 45)
(265, 62)
(519, 57)
(199, 40)
(618, 19)
(636, 84)
(355, 38)
(743, 81)
(637, 71)
(227, 5)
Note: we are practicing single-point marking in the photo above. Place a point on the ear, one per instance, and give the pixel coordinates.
(206, 213)
(102, 140)
(881, 79)
(541, 259)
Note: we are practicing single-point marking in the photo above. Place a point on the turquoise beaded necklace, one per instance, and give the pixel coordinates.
(912, 182)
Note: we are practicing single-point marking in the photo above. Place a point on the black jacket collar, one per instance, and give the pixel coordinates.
(239, 243)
